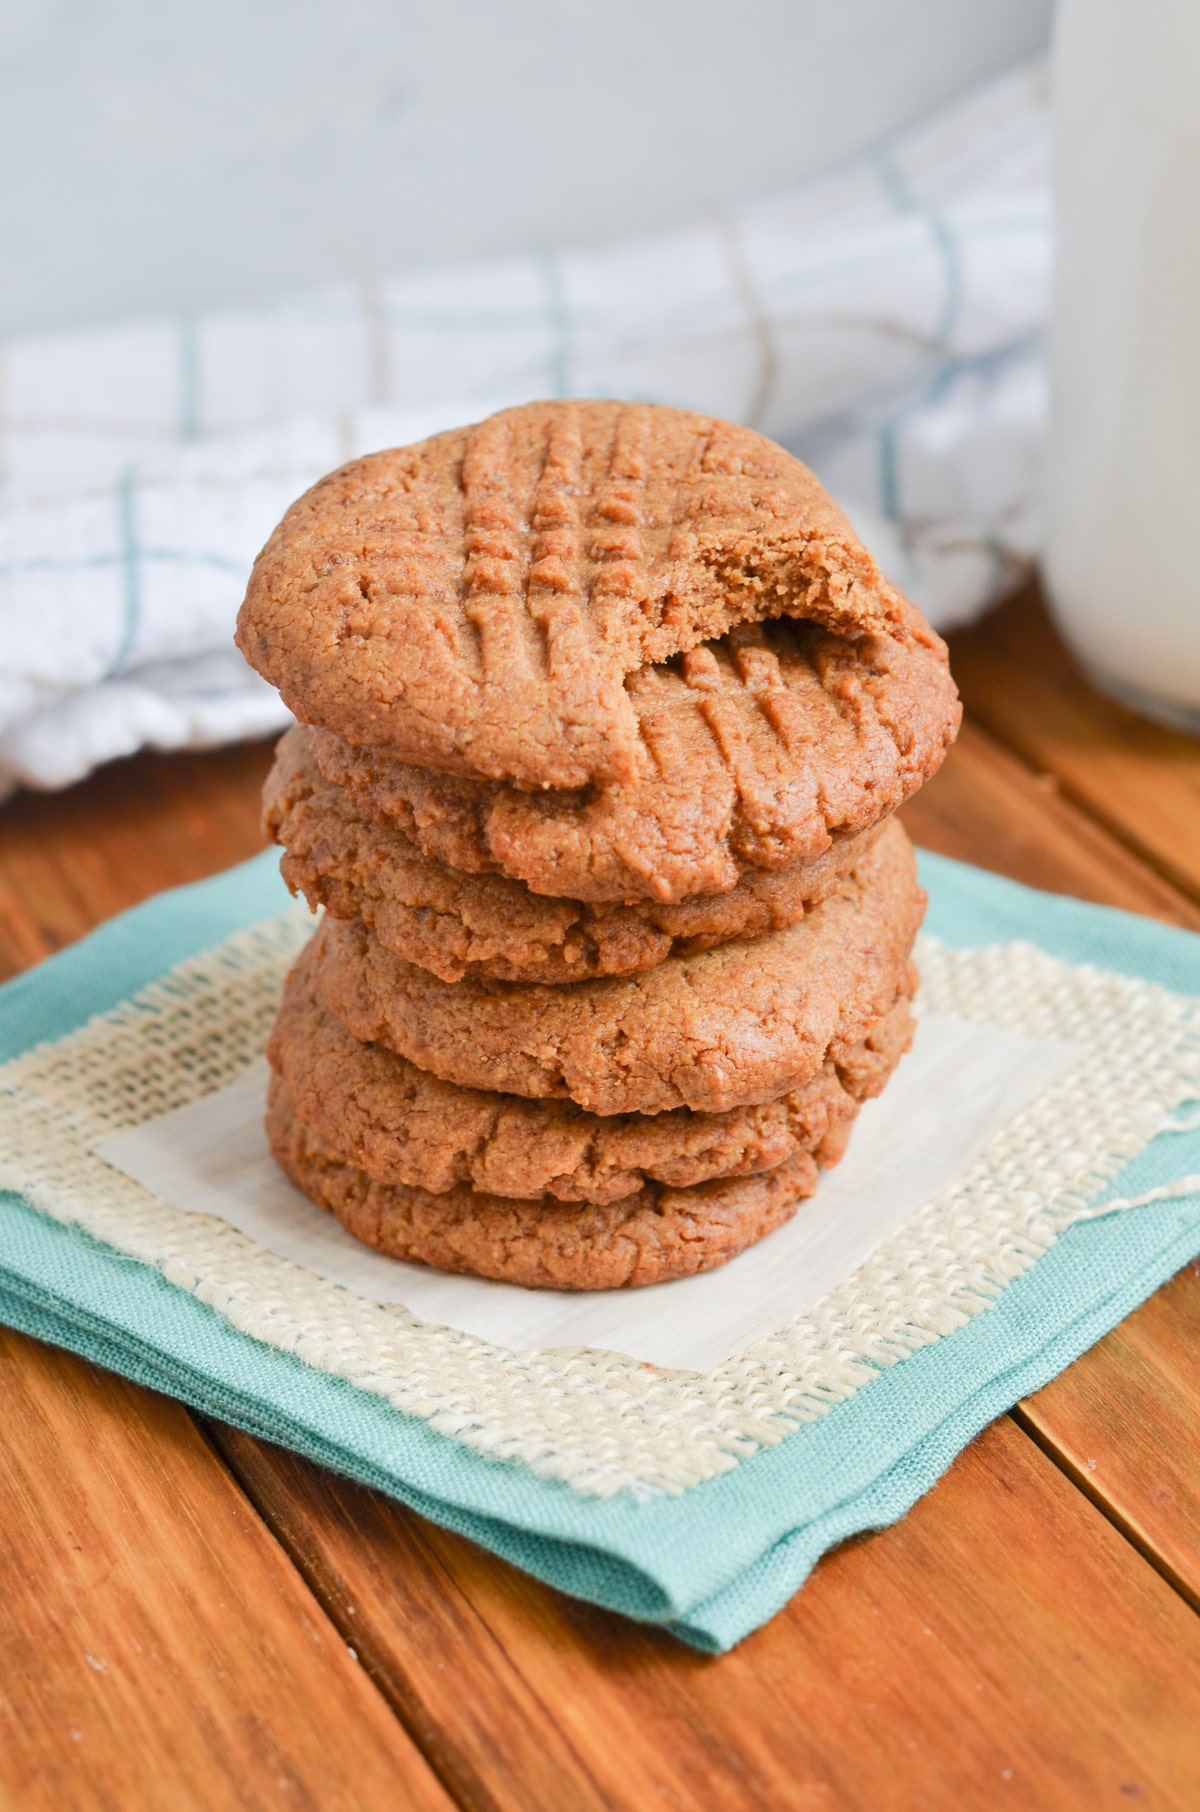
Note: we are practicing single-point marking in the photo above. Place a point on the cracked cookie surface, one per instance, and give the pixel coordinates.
(726, 1027)
(659, 1234)
(455, 923)
(754, 753)
(402, 1125)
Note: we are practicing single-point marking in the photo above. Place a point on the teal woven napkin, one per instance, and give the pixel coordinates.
(709, 1563)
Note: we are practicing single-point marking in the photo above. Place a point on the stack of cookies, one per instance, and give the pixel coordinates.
(603, 711)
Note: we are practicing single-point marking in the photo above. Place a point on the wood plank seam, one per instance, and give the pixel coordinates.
(402, 1699)
(848, 1632)
(1058, 1455)
(1112, 825)
(1139, 779)
(131, 1562)
(329, 1602)
(1083, 1482)
(406, 1710)
(984, 755)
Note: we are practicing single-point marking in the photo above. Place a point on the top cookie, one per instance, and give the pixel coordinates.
(473, 603)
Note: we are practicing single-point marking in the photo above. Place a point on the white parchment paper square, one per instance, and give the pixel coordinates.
(961, 1083)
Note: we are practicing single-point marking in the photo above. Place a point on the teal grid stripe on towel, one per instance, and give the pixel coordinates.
(714, 1563)
(884, 320)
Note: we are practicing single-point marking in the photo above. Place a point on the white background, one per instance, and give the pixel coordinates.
(157, 154)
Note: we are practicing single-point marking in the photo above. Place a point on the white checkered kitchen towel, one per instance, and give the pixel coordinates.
(885, 323)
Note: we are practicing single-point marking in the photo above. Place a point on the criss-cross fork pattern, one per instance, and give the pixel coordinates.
(751, 754)
(479, 598)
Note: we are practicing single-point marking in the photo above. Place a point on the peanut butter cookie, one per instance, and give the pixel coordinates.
(400, 1124)
(658, 1234)
(726, 1027)
(475, 602)
(754, 754)
(357, 866)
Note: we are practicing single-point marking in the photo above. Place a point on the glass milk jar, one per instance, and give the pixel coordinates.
(1123, 555)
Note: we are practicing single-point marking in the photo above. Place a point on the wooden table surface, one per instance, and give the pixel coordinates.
(191, 1618)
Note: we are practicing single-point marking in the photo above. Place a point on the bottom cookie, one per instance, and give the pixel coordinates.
(656, 1235)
